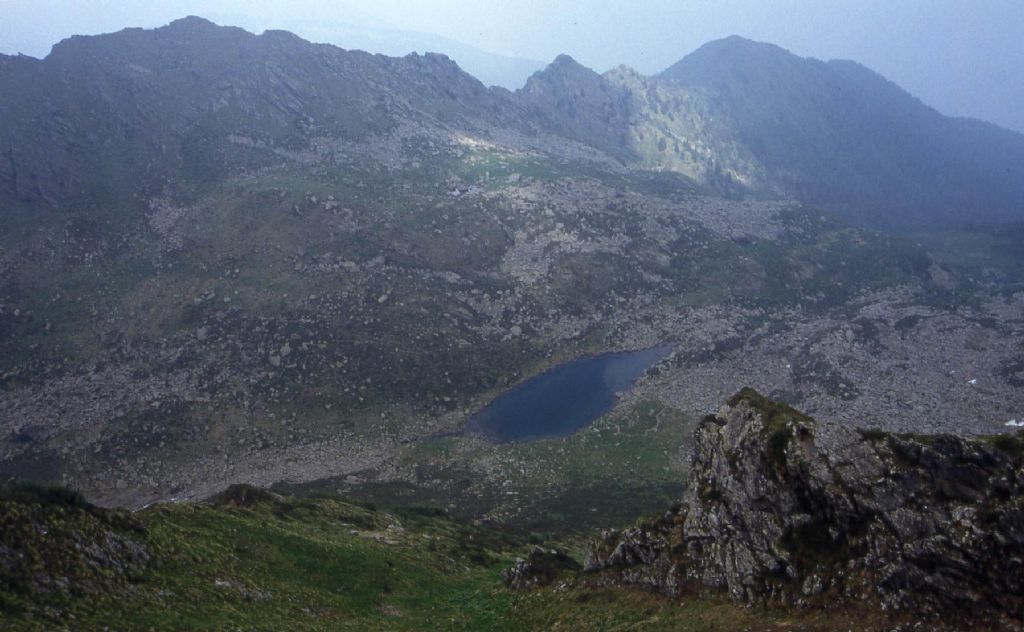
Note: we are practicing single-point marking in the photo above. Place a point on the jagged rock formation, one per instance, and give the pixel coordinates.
(783, 509)
(580, 104)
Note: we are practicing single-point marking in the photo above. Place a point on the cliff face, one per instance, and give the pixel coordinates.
(783, 509)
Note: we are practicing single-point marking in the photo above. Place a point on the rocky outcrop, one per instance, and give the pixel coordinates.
(55, 548)
(783, 509)
(540, 568)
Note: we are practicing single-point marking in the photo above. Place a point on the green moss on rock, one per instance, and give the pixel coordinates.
(780, 420)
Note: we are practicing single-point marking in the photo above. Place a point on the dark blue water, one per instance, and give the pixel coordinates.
(563, 399)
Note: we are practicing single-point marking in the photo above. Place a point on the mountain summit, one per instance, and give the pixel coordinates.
(840, 136)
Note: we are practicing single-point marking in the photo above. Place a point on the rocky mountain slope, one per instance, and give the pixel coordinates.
(745, 118)
(646, 123)
(228, 257)
(784, 509)
(139, 112)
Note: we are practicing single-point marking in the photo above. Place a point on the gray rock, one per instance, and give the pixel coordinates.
(783, 509)
(540, 568)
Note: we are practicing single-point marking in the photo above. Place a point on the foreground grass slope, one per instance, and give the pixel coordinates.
(251, 560)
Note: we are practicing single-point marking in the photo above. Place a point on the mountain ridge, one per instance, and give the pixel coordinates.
(873, 153)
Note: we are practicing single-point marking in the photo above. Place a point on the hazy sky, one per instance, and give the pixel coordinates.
(963, 57)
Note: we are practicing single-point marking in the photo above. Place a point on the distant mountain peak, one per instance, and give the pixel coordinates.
(739, 40)
(191, 23)
(581, 104)
(729, 55)
(436, 58)
(279, 34)
(565, 60)
(562, 70)
(740, 44)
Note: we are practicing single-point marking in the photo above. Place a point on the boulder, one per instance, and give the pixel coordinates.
(540, 568)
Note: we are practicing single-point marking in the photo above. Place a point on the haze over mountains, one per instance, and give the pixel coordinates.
(234, 258)
(737, 116)
(490, 68)
(238, 257)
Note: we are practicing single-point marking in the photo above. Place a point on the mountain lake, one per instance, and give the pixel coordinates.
(563, 399)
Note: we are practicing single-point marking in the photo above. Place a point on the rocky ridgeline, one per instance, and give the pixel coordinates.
(782, 509)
